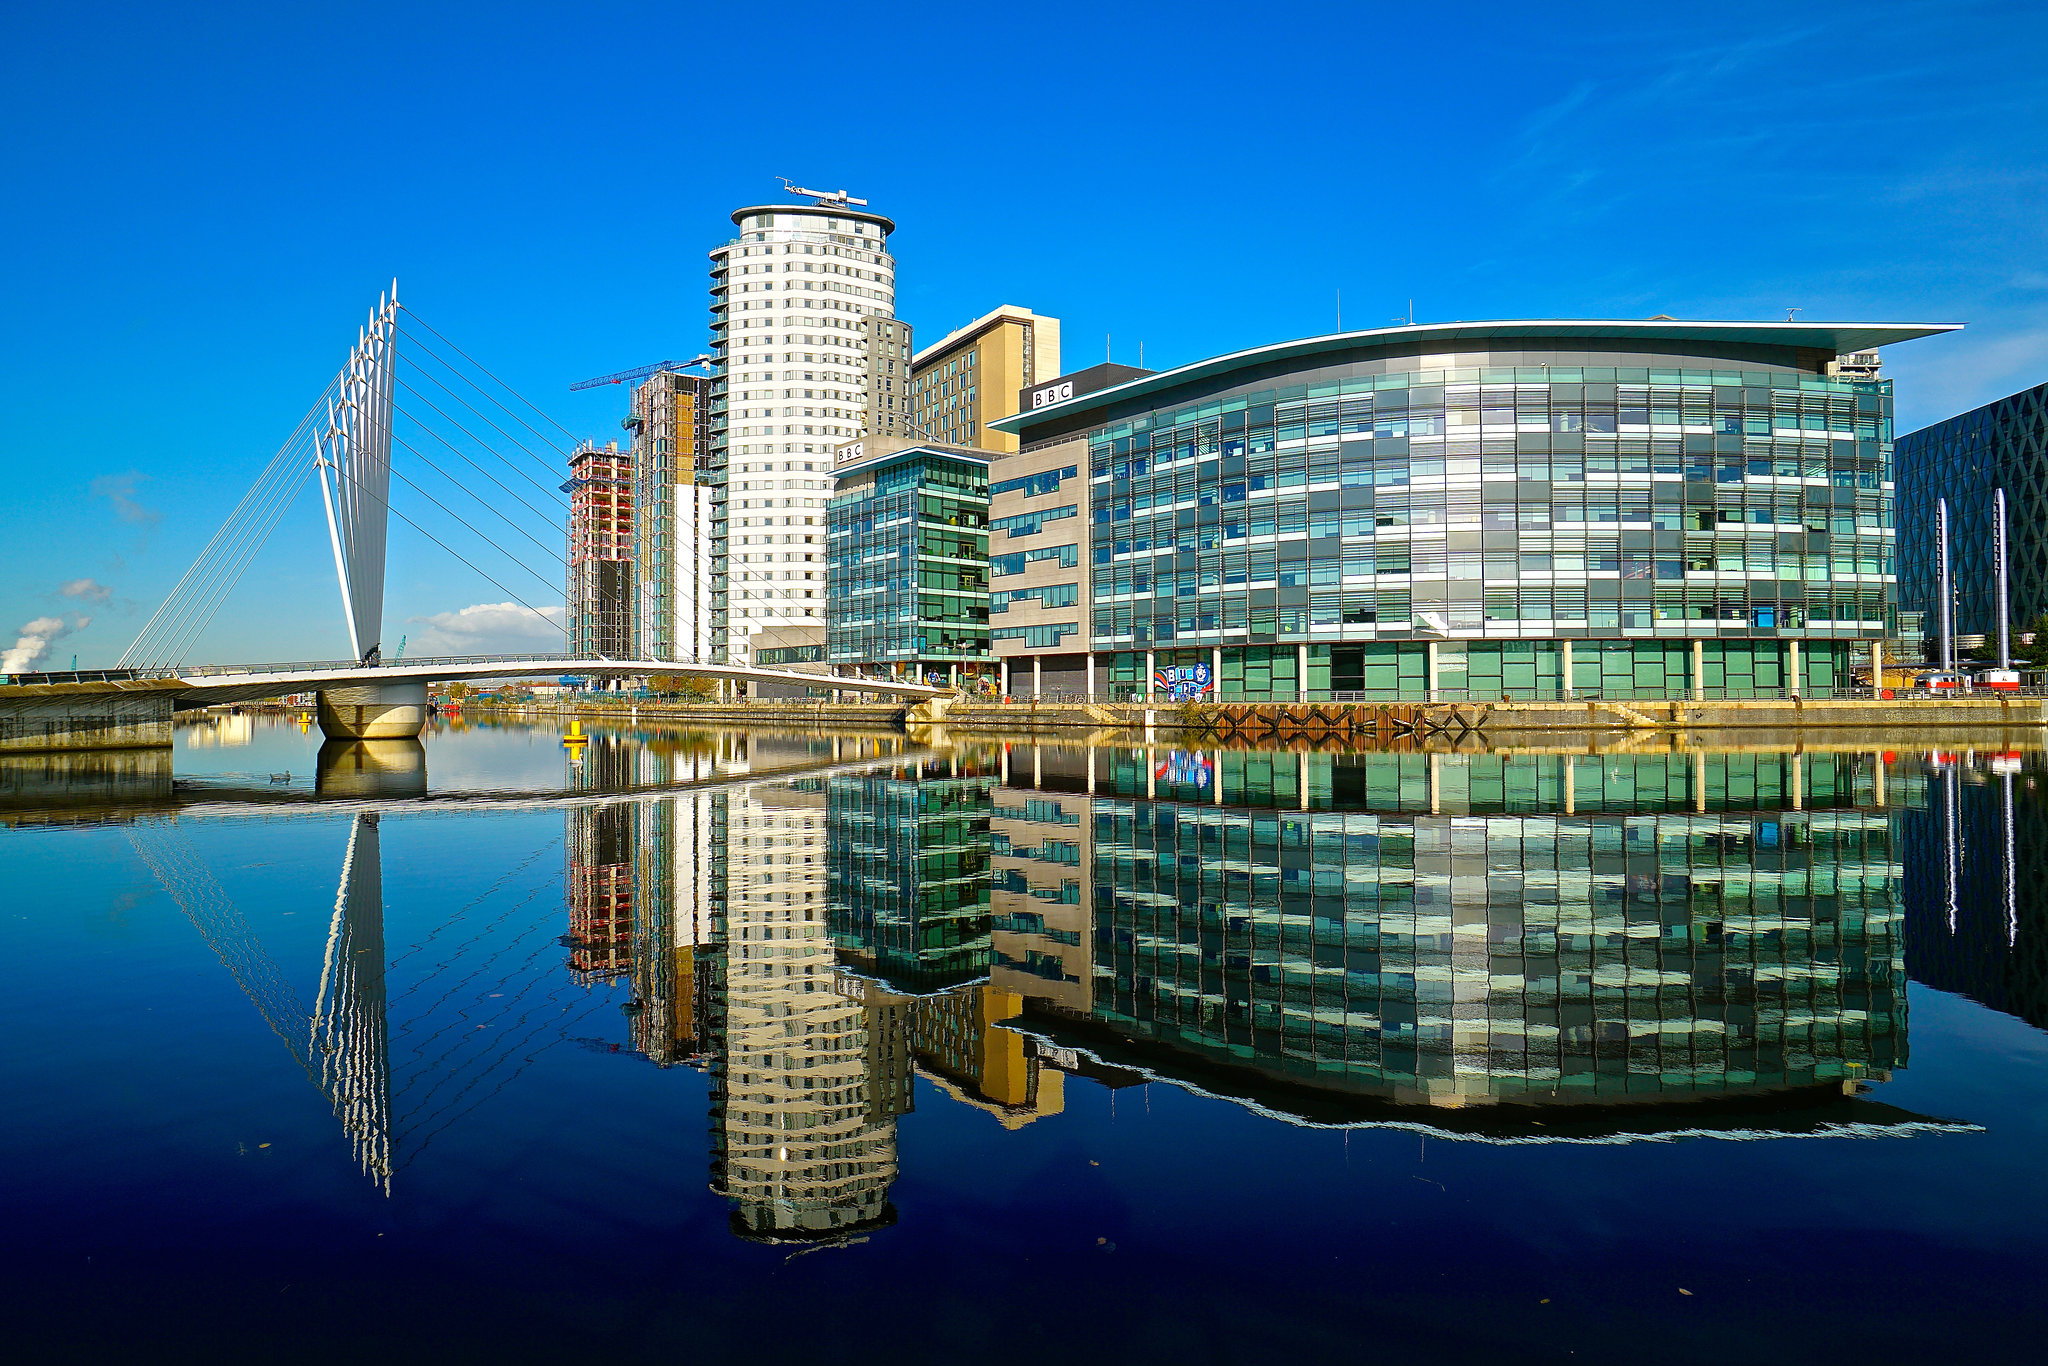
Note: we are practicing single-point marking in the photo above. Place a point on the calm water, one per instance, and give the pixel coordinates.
(705, 1047)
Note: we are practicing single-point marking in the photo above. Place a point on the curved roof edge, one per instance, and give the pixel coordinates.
(820, 210)
(1837, 338)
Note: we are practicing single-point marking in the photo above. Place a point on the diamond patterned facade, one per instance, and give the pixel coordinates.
(2000, 445)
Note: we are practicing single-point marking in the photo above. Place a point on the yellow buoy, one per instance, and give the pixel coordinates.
(575, 739)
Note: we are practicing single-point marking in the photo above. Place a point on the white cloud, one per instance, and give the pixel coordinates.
(91, 590)
(34, 641)
(487, 628)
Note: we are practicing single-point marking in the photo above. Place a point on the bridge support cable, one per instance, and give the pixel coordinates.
(191, 619)
(250, 522)
(561, 505)
(552, 467)
(170, 858)
(529, 403)
(474, 568)
(488, 507)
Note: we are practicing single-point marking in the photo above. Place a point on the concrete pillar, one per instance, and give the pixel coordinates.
(1571, 785)
(1151, 665)
(1877, 681)
(1567, 665)
(1699, 782)
(1436, 784)
(1792, 665)
(1301, 780)
(952, 675)
(1429, 652)
(1798, 777)
(1301, 673)
(1091, 755)
(1037, 675)
(1216, 670)
(382, 711)
(1151, 777)
(1091, 677)
(1877, 778)
(1004, 763)
(1699, 670)
(1003, 679)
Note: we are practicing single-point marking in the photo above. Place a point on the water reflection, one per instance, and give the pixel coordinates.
(1488, 940)
(1514, 948)
(1974, 864)
(371, 768)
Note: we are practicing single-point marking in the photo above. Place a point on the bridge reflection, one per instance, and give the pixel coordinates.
(1501, 948)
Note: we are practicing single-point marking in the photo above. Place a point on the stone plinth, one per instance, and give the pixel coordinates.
(382, 711)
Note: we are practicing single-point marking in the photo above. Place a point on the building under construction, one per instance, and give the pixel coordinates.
(601, 570)
(670, 423)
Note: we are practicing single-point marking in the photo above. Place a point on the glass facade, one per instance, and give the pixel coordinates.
(2000, 445)
(909, 874)
(908, 566)
(1454, 931)
(1338, 514)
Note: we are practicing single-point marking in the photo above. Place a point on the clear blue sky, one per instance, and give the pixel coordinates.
(201, 204)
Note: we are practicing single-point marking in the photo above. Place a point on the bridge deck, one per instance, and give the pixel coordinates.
(215, 685)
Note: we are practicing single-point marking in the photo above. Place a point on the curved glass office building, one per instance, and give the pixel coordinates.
(1529, 509)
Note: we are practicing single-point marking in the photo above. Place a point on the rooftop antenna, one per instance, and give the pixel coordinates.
(1340, 310)
(840, 197)
(1790, 311)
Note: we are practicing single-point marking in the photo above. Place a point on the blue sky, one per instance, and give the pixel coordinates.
(201, 207)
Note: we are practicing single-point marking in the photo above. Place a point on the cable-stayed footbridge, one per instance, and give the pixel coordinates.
(473, 454)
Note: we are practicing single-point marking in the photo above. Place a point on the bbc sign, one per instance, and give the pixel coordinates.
(1052, 393)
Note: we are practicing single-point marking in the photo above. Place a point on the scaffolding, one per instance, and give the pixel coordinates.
(601, 570)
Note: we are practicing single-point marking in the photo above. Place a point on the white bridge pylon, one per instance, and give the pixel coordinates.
(353, 456)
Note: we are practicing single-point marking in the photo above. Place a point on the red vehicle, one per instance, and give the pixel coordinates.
(2005, 680)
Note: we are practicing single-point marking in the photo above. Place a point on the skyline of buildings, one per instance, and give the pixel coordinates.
(1658, 508)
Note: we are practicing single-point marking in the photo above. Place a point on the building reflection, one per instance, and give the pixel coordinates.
(803, 1102)
(1974, 862)
(1344, 938)
(1537, 947)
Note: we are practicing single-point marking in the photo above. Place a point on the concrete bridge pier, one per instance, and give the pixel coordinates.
(381, 711)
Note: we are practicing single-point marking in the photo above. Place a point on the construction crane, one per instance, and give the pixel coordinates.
(822, 197)
(640, 372)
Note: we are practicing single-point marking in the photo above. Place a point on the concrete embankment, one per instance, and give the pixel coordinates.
(793, 714)
(1382, 722)
(41, 718)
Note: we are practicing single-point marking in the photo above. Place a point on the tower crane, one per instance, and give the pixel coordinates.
(641, 372)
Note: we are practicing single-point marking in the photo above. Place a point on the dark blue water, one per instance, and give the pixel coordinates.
(716, 1047)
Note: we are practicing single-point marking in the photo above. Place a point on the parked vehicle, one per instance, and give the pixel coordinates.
(1941, 680)
(2005, 680)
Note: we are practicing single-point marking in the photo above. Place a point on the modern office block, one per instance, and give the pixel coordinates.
(1550, 508)
(908, 561)
(2002, 445)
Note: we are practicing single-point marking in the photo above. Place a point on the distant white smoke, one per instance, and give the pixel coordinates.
(35, 639)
